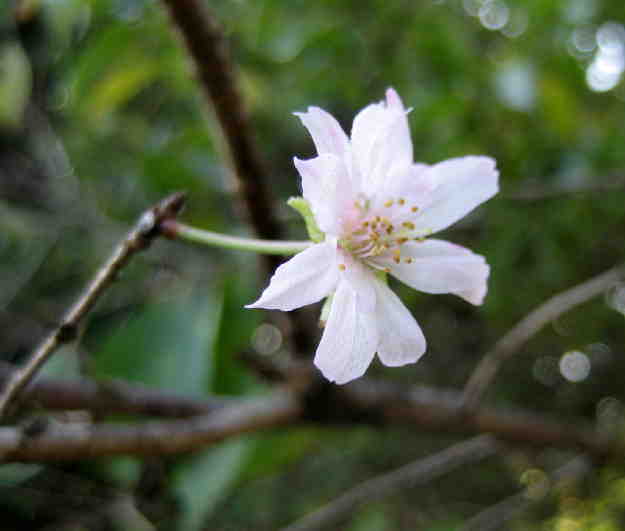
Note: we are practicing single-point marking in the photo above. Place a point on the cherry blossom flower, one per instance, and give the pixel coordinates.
(377, 209)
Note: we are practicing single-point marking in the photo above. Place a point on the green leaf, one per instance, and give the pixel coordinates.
(168, 344)
(205, 479)
(303, 207)
(15, 84)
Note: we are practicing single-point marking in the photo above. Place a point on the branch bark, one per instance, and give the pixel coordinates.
(364, 402)
(530, 325)
(67, 442)
(140, 237)
(111, 397)
(414, 474)
(441, 411)
(208, 49)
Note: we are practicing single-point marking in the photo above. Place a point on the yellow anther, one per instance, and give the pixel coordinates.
(386, 221)
(389, 229)
(374, 235)
(408, 224)
(374, 225)
(408, 260)
(414, 209)
(401, 201)
(342, 267)
(389, 203)
(396, 256)
(365, 224)
(387, 269)
(378, 219)
(400, 241)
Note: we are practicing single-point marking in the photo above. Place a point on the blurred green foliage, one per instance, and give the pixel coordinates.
(100, 115)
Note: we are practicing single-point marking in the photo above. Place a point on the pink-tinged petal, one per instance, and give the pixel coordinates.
(408, 184)
(459, 185)
(305, 279)
(350, 336)
(381, 142)
(326, 132)
(401, 130)
(436, 266)
(401, 339)
(326, 185)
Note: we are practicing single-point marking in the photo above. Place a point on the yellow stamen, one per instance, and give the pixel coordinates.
(414, 209)
(401, 201)
(408, 260)
(396, 256)
(408, 224)
(389, 203)
(342, 267)
(400, 241)
(387, 269)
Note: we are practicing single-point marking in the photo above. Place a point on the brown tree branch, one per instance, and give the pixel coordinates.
(439, 411)
(111, 397)
(146, 229)
(413, 474)
(530, 325)
(208, 49)
(363, 402)
(66, 442)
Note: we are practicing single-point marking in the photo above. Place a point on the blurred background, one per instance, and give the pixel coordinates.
(101, 116)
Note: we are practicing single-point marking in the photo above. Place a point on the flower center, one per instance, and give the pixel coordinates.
(383, 231)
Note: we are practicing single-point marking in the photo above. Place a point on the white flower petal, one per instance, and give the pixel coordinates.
(326, 185)
(305, 279)
(350, 336)
(459, 185)
(400, 134)
(406, 183)
(401, 340)
(325, 131)
(437, 266)
(381, 142)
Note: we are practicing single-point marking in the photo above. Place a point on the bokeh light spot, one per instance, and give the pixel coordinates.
(266, 339)
(575, 366)
(494, 14)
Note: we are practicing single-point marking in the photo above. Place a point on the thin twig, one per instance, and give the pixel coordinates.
(140, 237)
(68, 442)
(496, 516)
(530, 325)
(439, 411)
(414, 474)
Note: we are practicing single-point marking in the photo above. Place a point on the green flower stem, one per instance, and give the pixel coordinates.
(205, 237)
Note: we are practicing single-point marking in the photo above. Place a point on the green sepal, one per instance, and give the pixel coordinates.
(382, 276)
(325, 310)
(303, 207)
